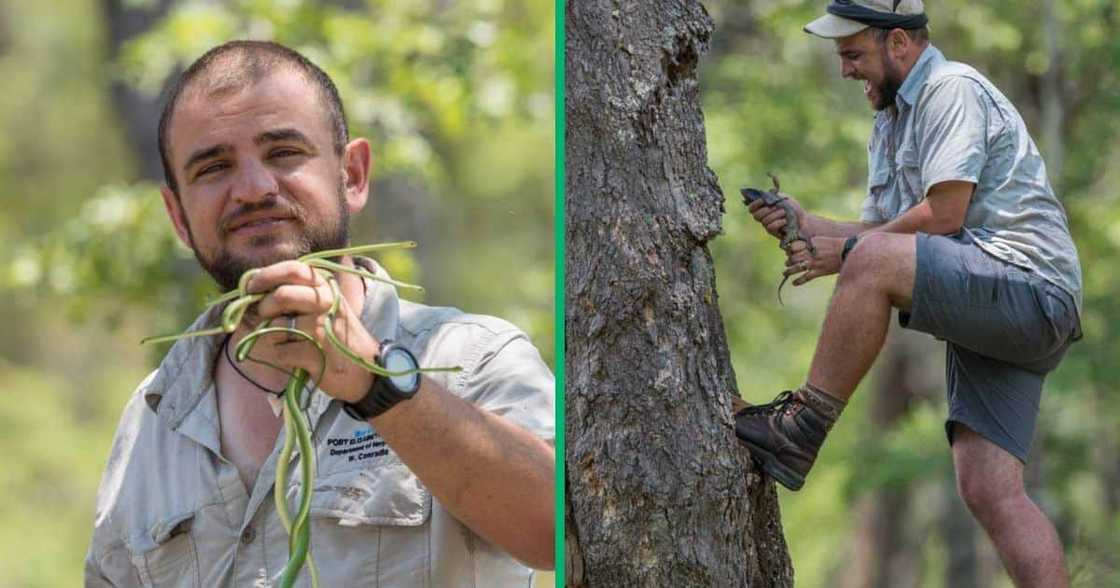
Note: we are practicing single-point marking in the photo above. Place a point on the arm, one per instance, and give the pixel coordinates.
(941, 212)
(952, 122)
(493, 475)
(818, 226)
(773, 218)
(951, 125)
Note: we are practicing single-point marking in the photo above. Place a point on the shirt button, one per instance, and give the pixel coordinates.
(248, 535)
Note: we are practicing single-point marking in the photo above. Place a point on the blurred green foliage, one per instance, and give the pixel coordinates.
(456, 99)
(774, 100)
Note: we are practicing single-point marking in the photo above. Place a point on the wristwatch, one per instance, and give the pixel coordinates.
(849, 243)
(387, 391)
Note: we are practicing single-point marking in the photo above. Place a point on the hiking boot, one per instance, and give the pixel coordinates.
(785, 435)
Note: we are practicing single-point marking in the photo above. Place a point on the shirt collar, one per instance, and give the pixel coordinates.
(918, 75)
(185, 374)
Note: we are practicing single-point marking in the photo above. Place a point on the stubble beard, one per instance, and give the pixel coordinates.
(226, 267)
(892, 81)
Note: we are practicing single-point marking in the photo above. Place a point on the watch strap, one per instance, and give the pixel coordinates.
(382, 394)
(849, 244)
(380, 398)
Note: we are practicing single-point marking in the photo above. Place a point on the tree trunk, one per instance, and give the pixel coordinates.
(660, 493)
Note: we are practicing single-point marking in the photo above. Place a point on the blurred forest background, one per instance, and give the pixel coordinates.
(881, 509)
(456, 97)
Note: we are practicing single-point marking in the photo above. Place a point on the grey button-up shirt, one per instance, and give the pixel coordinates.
(950, 123)
(171, 511)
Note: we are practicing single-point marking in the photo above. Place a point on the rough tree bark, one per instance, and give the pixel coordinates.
(659, 491)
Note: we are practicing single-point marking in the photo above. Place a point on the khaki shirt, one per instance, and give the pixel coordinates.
(950, 123)
(171, 511)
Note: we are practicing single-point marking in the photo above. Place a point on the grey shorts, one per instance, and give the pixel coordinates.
(1004, 327)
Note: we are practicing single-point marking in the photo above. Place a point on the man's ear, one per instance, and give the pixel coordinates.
(898, 42)
(356, 164)
(176, 214)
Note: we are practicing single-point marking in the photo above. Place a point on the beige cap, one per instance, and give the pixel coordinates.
(831, 26)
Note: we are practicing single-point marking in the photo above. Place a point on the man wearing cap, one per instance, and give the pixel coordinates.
(961, 232)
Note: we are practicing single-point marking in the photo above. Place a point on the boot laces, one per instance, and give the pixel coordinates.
(784, 403)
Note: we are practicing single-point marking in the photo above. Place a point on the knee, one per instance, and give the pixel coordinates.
(865, 262)
(987, 496)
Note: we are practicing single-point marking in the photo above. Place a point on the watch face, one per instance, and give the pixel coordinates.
(397, 359)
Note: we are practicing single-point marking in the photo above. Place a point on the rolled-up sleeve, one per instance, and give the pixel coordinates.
(952, 131)
(509, 378)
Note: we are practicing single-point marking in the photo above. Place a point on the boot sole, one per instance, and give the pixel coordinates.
(770, 463)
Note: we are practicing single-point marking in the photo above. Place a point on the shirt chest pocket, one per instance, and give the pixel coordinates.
(879, 177)
(371, 524)
(908, 172)
(166, 555)
(880, 202)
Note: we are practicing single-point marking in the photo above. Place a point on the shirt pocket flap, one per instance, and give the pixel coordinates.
(160, 532)
(907, 155)
(878, 176)
(387, 495)
(165, 555)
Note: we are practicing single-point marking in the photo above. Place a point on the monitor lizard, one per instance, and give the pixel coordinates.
(792, 231)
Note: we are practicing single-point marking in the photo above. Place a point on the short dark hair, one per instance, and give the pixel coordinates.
(919, 35)
(236, 64)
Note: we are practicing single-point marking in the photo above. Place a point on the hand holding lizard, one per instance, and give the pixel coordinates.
(826, 261)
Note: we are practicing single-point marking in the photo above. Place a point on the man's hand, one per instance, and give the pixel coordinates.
(295, 289)
(825, 263)
(773, 218)
(464, 455)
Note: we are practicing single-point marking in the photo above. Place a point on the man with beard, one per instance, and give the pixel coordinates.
(444, 479)
(962, 233)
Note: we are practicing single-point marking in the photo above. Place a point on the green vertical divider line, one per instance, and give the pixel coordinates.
(558, 223)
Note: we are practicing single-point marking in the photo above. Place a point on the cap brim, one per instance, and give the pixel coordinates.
(833, 27)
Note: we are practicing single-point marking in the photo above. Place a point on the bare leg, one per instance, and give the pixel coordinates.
(878, 274)
(990, 480)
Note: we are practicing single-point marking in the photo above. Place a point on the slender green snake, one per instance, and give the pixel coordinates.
(297, 395)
